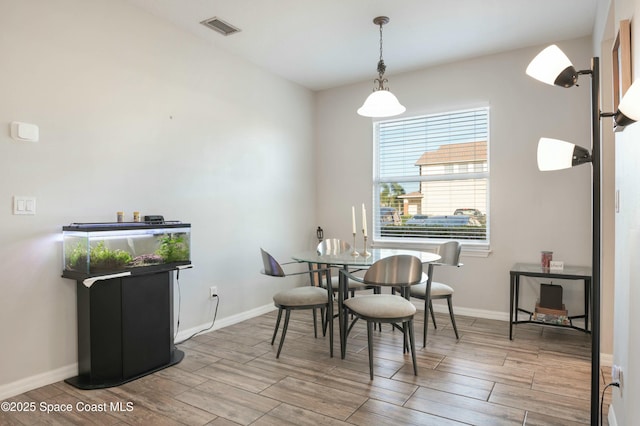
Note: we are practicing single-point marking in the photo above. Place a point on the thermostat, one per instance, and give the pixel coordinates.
(24, 132)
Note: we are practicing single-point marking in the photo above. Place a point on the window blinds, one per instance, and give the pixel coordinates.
(432, 176)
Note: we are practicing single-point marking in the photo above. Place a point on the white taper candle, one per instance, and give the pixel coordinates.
(364, 220)
(353, 218)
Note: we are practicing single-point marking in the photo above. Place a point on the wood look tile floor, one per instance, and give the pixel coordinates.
(231, 377)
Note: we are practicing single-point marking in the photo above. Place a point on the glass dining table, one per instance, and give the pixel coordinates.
(349, 261)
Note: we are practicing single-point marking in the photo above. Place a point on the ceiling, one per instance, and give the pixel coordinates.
(321, 44)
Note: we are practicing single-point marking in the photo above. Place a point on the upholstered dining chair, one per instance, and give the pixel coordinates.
(306, 297)
(399, 271)
(449, 256)
(337, 246)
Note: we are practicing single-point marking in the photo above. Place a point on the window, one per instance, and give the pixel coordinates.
(432, 175)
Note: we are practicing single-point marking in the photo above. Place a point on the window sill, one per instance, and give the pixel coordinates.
(468, 249)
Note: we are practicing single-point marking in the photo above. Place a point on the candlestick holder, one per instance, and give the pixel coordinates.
(365, 253)
(354, 252)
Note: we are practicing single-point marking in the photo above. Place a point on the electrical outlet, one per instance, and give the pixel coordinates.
(616, 374)
(213, 292)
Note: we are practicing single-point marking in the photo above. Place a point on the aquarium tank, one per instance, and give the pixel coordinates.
(104, 248)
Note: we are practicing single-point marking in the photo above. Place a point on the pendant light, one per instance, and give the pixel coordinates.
(381, 103)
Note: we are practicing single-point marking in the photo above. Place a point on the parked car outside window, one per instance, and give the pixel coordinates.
(389, 216)
(472, 212)
(419, 219)
(446, 221)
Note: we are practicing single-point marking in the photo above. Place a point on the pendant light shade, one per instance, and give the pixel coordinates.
(552, 66)
(554, 154)
(381, 103)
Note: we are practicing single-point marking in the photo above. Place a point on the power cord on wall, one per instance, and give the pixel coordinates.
(179, 306)
(616, 384)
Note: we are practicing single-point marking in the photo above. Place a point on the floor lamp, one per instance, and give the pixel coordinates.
(552, 66)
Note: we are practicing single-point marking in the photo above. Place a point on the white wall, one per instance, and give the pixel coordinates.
(530, 210)
(626, 344)
(137, 115)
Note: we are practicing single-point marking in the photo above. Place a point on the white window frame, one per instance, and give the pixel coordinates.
(479, 247)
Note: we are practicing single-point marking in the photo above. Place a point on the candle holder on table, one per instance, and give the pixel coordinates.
(354, 252)
(365, 253)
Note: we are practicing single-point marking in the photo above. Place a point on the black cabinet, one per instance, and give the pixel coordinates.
(125, 329)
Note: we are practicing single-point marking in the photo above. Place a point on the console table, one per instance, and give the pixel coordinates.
(535, 270)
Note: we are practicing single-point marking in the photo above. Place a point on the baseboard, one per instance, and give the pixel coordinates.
(611, 417)
(468, 312)
(225, 322)
(39, 380)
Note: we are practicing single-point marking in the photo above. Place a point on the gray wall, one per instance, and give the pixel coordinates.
(626, 345)
(530, 210)
(137, 115)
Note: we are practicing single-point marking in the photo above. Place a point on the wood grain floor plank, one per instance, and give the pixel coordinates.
(164, 404)
(339, 404)
(285, 414)
(384, 414)
(382, 389)
(495, 373)
(228, 401)
(181, 376)
(440, 380)
(241, 375)
(538, 419)
(464, 409)
(554, 405)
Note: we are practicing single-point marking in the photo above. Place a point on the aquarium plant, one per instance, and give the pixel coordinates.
(173, 248)
(100, 257)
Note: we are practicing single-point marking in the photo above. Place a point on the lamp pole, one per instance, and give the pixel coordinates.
(596, 239)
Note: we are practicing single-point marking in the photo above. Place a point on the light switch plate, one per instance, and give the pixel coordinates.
(24, 132)
(24, 205)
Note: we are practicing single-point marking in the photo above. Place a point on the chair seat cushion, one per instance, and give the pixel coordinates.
(301, 296)
(381, 306)
(437, 290)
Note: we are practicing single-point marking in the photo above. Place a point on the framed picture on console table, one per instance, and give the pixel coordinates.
(621, 61)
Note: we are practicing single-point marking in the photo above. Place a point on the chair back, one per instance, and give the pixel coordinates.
(399, 271)
(332, 246)
(449, 253)
(271, 266)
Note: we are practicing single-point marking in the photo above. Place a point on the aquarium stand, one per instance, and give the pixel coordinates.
(125, 328)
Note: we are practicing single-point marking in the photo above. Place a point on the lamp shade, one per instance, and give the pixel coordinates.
(629, 108)
(554, 154)
(552, 66)
(381, 103)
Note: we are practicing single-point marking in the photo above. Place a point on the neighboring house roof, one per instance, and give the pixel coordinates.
(455, 153)
(414, 194)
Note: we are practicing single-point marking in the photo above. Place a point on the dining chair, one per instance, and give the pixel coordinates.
(399, 271)
(449, 256)
(306, 297)
(336, 246)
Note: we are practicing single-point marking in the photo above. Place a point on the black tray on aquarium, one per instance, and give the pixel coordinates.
(91, 249)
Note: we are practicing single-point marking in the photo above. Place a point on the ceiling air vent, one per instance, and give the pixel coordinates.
(220, 26)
